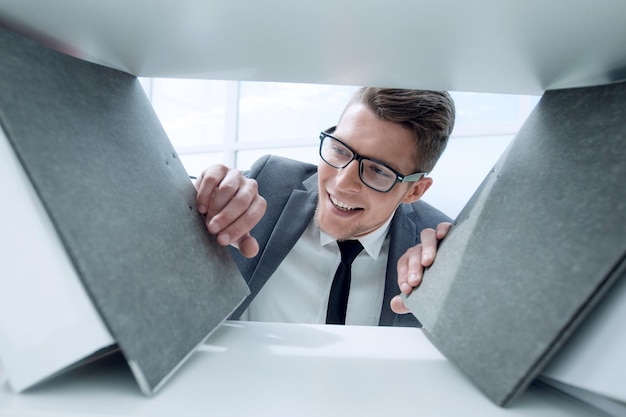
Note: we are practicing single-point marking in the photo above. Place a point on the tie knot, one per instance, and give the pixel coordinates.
(349, 250)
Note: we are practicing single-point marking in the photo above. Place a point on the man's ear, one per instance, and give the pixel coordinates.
(417, 190)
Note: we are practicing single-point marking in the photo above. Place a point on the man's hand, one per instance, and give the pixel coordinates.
(411, 265)
(232, 206)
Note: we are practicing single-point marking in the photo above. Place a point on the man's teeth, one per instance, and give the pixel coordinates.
(341, 205)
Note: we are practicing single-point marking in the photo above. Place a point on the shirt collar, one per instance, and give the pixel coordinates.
(372, 242)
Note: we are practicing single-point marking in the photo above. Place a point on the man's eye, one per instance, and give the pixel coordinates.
(341, 151)
(380, 171)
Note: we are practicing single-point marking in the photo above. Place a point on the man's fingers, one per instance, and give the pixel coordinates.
(232, 206)
(442, 229)
(430, 240)
(206, 184)
(429, 246)
(398, 306)
(415, 260)
(236, 220)
(248, 246)
(232, 185)
(406, 288)
(410, 269)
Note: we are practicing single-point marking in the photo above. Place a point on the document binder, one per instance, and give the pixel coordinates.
(121, 205)
(536, 247)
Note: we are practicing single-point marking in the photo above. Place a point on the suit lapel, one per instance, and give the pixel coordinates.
(402, 232)
(291, 223)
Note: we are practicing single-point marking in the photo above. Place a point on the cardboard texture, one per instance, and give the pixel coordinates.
(537, 246)
(39, 289)
(121, 202)
(591, 365)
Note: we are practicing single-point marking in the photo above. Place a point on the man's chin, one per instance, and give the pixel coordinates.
(338, 233)
(323, 225)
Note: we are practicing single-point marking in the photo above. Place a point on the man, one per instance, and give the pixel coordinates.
(366, 187)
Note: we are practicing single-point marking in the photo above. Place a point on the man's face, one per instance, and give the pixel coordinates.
(347, 208)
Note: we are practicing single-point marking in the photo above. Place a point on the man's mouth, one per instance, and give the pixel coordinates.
(343, 206)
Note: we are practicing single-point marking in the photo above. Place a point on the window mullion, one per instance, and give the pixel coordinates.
(232, 124)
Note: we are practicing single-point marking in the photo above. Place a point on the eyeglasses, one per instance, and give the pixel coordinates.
(375, 174)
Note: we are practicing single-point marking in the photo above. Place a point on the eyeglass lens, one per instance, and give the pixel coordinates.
(373, 174)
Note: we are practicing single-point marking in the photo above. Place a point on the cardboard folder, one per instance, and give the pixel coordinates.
(128, 253)
(537, 246)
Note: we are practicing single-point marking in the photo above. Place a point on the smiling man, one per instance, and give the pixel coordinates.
(286, 217)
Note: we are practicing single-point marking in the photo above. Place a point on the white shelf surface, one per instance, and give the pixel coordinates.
(269, 369)
(519, 47)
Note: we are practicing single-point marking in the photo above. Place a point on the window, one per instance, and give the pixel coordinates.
(235, 122)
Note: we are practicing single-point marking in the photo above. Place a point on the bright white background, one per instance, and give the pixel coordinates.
(236, 122)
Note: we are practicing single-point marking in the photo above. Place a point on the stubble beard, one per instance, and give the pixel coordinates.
(352, 232)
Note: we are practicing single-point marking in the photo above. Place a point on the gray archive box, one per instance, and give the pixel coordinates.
(121, 203)
(536, 247)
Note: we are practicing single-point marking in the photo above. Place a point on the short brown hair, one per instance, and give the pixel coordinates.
(429, 114)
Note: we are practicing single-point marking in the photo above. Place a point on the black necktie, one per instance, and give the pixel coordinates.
(338, 300)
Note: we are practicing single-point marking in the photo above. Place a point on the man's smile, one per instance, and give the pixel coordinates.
(342, 205)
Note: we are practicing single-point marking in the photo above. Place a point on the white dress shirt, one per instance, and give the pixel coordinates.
(298, 290)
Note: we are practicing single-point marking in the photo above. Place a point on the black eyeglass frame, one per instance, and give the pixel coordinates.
(359, 158)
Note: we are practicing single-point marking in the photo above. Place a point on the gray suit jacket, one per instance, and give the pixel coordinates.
(290, 189)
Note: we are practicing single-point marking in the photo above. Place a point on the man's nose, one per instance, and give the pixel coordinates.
(348, 176)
